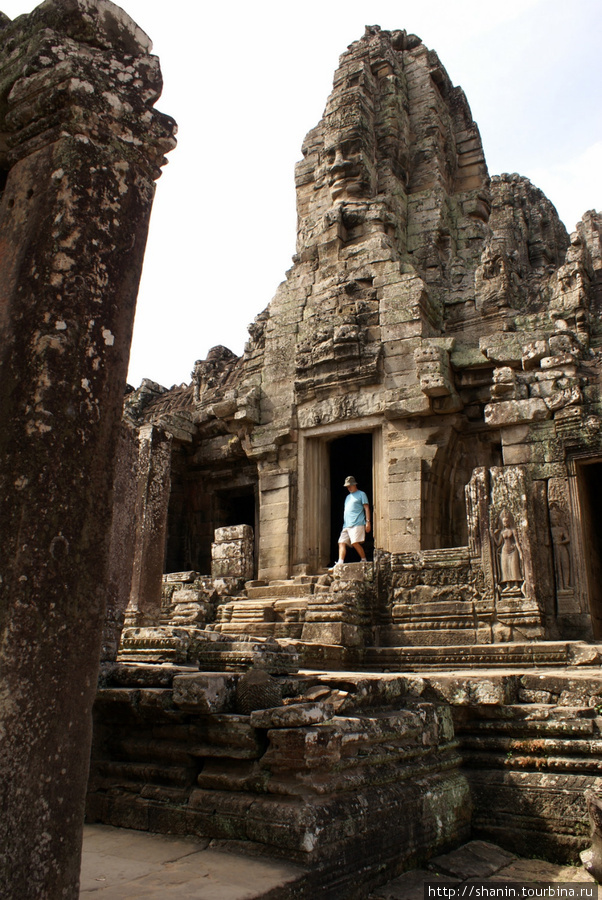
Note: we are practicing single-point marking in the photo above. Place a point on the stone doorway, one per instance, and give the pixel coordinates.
(349, 455)
(589, 481)
(327, 455)
(197, 507)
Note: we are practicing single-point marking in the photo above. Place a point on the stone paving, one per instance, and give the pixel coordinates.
(479, 861)
(120, 864)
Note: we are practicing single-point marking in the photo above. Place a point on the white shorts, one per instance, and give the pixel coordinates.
(354, 535)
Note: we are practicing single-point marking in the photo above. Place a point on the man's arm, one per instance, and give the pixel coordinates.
(367, 514)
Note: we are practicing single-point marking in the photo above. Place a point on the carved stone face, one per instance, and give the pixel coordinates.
(347, 174)
(555, 516)
(572, 286)
(493, 279)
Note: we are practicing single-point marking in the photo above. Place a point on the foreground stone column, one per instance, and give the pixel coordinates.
(80, 151)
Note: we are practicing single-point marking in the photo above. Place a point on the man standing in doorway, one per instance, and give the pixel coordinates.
(356, 521)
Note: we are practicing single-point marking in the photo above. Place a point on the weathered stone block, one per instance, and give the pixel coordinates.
(234, 533)
(230, 550)
(184, 577)
(533, 353)
(502, 349)
(513, 412)
(210, 692)
(297, 715)
(231, 568)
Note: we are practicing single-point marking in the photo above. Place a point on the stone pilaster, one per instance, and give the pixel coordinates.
(274, 523)
(123, 540)
(154, 465)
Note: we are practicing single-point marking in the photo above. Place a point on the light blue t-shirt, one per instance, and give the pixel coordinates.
(354, 509)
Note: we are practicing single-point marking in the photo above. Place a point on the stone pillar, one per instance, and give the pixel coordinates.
(274, 523)
(123, 540)
(154, 465)
(232, 553)
(81, 148)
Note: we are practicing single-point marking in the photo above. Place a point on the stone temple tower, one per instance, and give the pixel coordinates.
(437, 337)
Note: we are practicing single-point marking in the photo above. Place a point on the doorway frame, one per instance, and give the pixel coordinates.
(575, 463)
(312, 544)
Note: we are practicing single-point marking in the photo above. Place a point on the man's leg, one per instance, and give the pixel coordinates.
(359, 549)
(342, 552)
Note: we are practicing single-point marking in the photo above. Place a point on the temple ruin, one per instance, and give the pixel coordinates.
(438, 336)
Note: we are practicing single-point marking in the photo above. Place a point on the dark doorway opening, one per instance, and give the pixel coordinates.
(349, 455)
(590, 498)
(235, 507)
(194, 514)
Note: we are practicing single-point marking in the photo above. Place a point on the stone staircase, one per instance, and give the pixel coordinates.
(271, 609)
(329, 616)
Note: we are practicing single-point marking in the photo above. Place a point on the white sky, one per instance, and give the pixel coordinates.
(246, 79)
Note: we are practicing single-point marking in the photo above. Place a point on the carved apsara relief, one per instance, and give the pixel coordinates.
(561, 543)
(509, 555)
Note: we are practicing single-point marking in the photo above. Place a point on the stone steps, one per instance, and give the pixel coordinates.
(278, 630)
(468, 656)
(248, 611)
(357, 571)
(538, 719)
(280, 590)
(534, 736)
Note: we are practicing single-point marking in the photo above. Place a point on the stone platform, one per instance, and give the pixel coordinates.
(354, 775)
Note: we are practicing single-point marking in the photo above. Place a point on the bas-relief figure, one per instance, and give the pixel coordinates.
(509, 554)
(496, 280)
(562, 549)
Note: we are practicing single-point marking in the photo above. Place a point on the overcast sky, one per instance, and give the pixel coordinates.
(246, 80)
